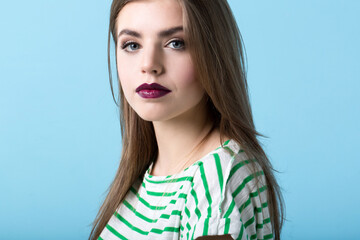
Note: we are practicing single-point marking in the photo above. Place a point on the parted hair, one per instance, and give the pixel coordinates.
(216, 48)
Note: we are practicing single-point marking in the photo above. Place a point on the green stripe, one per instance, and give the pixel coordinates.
(188, 232)
(229, 150)
(260, 190)
(208, 197)
(166, 229)
(254, 236)
(259, 210)
(197, 211)
(100, 238)
(138, 214)
(261, 225)
(207, 191)
(249, 222)
(251, 195)
(241, 232)
(227, 226)
(192, 237)
(230, 209)
(129, 206)
(183, 195)
(226, 142)
(247, 203)
(245, 181)
(258, 226)
(182, 179)
(142, 232)
(188, 226)
(160, 194)
(206, 227)
(267, 220)
(129, 225)
(239, 165)
(269, 236)
(219, 172)
(187, 212)
(113, 231)
(143, 201)
(173, 213)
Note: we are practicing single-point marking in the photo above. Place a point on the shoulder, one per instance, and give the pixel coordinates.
(229, 192)
(228, 164)
(212, 173)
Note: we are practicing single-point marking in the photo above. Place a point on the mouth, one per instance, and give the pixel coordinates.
(153, 90)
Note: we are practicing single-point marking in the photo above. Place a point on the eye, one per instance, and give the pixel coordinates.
(177, 44)
(130, 46)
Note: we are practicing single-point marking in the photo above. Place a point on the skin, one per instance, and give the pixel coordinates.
(144, 55)
(152, 58)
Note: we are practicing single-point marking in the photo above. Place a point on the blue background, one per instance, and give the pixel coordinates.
(59, 128)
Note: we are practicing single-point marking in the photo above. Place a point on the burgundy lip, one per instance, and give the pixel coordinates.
(153, 86)
(153, 90)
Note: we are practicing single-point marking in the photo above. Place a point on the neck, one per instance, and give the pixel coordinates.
(180, 141)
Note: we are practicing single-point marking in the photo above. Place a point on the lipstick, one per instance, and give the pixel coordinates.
(153, 90)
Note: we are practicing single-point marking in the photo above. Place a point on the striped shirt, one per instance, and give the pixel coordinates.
(217, 195)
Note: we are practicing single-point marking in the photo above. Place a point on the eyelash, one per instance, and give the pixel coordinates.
(180, 41)
(125, 45)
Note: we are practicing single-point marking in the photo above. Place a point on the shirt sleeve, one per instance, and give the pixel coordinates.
(244, 207)
(224, 199)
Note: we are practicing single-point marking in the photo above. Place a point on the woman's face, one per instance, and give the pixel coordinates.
(154, 65)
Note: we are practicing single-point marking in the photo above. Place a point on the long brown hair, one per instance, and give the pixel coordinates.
(216, 48)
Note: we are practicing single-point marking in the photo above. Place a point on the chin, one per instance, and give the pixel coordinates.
(151, 117)
(155, 116)
(152, 114)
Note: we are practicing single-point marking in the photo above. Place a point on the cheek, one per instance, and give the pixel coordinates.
(188, 79)
(126, 87)
(125, 75)
(185, 71)
(189, 75)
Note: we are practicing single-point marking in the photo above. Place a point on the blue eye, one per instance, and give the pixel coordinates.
(130, 46)
(177, 44)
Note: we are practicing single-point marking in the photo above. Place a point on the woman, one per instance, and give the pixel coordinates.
(191, 164)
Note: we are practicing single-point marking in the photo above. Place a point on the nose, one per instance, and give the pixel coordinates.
(152, 61)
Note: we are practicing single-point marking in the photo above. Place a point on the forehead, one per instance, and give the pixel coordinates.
(150, 15)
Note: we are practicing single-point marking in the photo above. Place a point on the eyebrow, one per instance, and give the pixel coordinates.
(164, 33)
